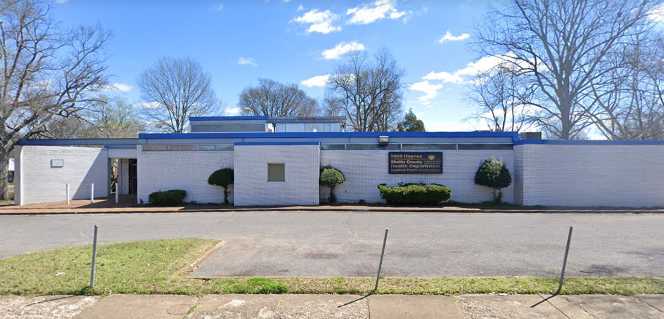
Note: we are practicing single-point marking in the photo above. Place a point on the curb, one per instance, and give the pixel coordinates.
(139, 210)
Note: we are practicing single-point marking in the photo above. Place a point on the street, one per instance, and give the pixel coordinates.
(348, 243)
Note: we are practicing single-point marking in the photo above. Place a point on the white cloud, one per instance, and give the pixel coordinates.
(465, 74)
(61, 1)
(657, 13)
(341, 49)
(246, 61)
(449, 37)
(380, 9)
(300, 8)
(319, 21)
(119, 87)
(430, 91)
(316, 81)
(232, 110)
(149, 105)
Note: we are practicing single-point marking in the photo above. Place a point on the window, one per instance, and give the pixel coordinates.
(276, 172)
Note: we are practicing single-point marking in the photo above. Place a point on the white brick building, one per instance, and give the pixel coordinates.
(281, 167)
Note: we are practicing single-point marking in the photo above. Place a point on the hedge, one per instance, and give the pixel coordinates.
(415, 194)
(173, 197)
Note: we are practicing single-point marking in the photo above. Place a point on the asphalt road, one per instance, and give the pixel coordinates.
(348, 243)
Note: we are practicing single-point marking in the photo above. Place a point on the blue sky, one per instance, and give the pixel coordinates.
(295, 41)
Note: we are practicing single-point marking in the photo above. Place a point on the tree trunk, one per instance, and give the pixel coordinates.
(226, 195)
(332, 199)
(4, 171)
(497, 195)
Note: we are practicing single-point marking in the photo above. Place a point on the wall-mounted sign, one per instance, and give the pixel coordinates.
(57, 163)
(415, 162)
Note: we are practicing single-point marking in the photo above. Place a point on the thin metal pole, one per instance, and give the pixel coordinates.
(380, 267)
(380, 263)
(93, 267)
(117, 194)
(561, 281)
(92, 193)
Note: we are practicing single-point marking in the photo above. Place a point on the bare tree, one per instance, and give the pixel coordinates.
(629, 101)
(503, 99)
(174, 90)
(274, 99)
(562, 46)
(46, 73)
(108, 119)
(367, 93)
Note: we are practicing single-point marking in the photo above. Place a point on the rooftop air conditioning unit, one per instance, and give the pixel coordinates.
(383, 139)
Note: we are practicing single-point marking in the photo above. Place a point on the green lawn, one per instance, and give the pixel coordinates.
(163, 266)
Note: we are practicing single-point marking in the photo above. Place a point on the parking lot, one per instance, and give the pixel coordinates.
(348, 243)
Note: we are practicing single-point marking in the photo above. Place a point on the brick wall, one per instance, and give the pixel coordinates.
(187, 170)
(591, 175)
(41, 183)
(365, 169)
(302, 169)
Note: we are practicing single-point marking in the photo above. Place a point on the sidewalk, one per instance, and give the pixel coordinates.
(105, 207)
(325, 306)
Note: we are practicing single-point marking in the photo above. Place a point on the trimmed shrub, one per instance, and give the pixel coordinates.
(223, 178)
(415, 194)
(331, 177)
(494, 174)
(173, 197)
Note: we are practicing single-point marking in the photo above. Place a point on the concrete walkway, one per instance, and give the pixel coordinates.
(325, 306)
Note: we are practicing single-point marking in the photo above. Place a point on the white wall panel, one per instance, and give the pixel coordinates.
(302, 169)
(186, 170)
(365, 169)
(592, 175)
(82, 166)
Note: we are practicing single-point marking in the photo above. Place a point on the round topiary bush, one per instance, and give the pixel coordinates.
(331, 177)
(494, 174)
(223, 177)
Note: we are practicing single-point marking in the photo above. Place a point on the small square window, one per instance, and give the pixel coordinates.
(276, 172)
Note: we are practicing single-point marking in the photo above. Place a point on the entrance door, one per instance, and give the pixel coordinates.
(133, 179)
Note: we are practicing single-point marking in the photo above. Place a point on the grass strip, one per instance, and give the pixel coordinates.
(161, 267)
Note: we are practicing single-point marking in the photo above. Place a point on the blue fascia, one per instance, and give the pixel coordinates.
(274, 143)
(221, 135)
(227, 118)
(587, 142)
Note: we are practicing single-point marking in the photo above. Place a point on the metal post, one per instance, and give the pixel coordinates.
(67, 193)
(92, 193)
(117, 194)
(561, 281)
(93, 266)
(380, 267)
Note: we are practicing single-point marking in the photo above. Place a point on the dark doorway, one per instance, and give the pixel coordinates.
(133, 179)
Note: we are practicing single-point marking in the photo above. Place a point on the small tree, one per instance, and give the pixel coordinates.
(331, 177)
(223, 177)
(493, 173)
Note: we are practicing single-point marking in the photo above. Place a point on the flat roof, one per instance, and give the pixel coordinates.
(106, 142)
(221, 135)
(227, 118)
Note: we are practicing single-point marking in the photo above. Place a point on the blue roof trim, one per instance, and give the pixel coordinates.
(218, 135)
(589, 142)
(275, 143)
(227, 118)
